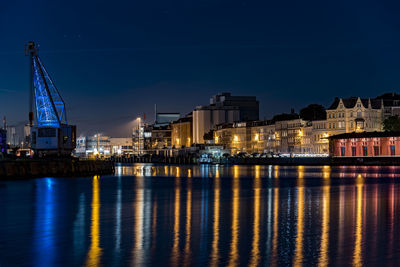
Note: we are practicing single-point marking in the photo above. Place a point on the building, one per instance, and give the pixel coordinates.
(319, 139)
(248, 105)
(354, 114)
(163, 119)
(223, 108)
(3, 141)
(206, 118)
(290, 136)
(391, 104)
(97, 145)
(157, 140)
(365, 144)
(121, 146)
(181, 132)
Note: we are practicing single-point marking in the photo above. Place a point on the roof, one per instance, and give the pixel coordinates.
(364, 135)
(351, 102)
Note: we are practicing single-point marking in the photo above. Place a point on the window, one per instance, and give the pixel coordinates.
(329, 115)
(392, 150)
(333, 125)
(365, 151)
(359, 114)
(353, 151)
(343, 151)
(351, 114)
(351, 125)
(376, 150)
(47, 132)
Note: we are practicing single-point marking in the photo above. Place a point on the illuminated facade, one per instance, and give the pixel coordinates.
(366, 144)
(354, 114)
(181, 132)
(223, 108)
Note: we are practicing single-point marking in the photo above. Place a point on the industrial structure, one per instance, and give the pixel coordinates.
(50, 134)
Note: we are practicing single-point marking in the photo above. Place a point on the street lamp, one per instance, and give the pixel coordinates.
(138, 135)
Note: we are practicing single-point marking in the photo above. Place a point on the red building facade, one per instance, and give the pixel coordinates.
(366, 144)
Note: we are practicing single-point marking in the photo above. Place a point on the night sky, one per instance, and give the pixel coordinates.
(113, 60)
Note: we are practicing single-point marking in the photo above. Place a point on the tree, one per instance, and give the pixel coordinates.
(285, 117)
(392, 124)
(209, 136)
(313, 112)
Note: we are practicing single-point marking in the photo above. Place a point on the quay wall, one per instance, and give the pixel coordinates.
(19, 169)
(343, 161)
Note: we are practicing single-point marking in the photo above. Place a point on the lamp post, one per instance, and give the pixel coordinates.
(139, 124)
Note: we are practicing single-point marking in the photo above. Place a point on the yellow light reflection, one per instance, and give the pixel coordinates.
(357, 257)
(298, 258)
(275, 236)
(215, 242)
(139, 207)
(276, 171)
(234, 253)
(255, 251)
(326, 172)
(93, 257)
(188, 224)
(323, 254)
(175, 247)
(189, 173)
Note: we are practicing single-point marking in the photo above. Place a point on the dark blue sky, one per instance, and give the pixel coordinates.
(113, 60)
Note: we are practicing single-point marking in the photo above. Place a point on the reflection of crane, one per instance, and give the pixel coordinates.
(51, 134)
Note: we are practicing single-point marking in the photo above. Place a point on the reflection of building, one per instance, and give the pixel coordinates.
(181, 132)
(223, 108)
(354, 114)
(366, 144)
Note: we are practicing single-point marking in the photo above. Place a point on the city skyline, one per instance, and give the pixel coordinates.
(111, 66)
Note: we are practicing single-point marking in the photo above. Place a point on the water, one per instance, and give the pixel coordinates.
(204, 215)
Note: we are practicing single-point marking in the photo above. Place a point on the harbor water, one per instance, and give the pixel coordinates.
(204, 215)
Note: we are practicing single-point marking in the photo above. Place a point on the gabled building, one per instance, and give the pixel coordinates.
(354, 114)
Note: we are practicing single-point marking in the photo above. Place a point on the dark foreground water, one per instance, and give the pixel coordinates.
(204, 215)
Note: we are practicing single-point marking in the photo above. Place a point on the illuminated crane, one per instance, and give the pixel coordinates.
(51, 135)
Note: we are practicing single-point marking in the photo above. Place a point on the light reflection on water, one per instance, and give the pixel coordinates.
(212, 215)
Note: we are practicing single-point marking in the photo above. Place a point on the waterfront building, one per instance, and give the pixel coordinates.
(391, 104)
(181, 132)
(223, 108)
(352, 114)
(157, 140)
(248, 105)
(233, 136)
(290, 136)
(165, 118)
(97, 145)
(206, 118)
(3, 141)
(365, 144)
(263, 137)
(319, 139)
(121, 145)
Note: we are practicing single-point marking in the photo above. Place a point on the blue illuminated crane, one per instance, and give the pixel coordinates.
(51, 134)
(50, 107)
